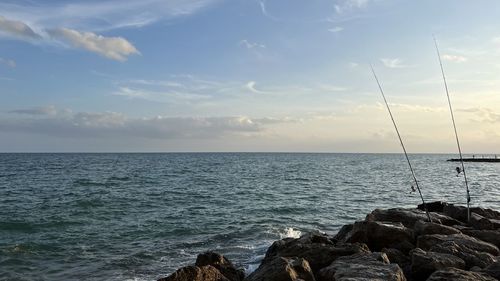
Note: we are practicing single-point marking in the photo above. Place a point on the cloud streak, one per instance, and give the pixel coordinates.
(17, 29)
(63, 123)
(116, 48)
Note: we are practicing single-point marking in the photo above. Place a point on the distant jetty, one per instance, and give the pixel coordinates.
(490, 159)
(395, 244)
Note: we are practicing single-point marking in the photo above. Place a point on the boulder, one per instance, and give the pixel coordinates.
(282, 269)
(378, 235)
(454, 274)
(343, 232)
(423, 264)
(490, 236)
(460, 212)
(195, 273)
(482, 223)
(424, 228)
(471, 257)
(222, 264)
(493, 270)
(373, 266)
(408, 217)
(427, 241)
(318, 250)
(396, 256)
(436, 206)
(487, 213)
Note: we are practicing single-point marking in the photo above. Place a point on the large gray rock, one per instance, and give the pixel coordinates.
(374, 266)
(425, 228)
(460, 212)
(317, 249)
(222, 264)
(396, 256)
(471, 257)
(493, 270)
(408, 217)
(427, 241)
(195, 273)
(482, 223)
(454, 274)
(378, 235)
(282, 269)
(423, 264)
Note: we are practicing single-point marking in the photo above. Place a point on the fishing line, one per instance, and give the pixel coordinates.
(454, 127)
(402, 144)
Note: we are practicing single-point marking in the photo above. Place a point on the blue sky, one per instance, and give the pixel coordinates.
(246, 75)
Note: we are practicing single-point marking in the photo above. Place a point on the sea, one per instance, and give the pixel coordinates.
(141, 216)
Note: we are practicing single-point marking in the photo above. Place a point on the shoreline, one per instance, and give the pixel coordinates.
(389, 244)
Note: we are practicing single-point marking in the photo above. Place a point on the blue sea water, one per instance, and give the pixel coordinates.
(141, 216)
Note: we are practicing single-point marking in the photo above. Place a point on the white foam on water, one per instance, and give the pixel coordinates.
(289, 232)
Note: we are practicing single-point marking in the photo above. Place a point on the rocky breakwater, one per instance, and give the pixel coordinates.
(394, 244)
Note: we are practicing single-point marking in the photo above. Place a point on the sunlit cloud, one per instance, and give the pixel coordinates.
(116, 48)
(454, 58)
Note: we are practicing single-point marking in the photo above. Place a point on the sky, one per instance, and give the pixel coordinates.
(247, 75)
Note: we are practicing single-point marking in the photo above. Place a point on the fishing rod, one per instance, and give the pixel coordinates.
(402, 144)
(454, 127)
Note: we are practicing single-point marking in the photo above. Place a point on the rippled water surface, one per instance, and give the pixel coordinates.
(140, 216)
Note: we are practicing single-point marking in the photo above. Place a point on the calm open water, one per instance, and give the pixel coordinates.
(141, 216)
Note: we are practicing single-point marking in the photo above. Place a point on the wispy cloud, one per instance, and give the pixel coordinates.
(49, 110)
(454, 58)
(8, 62)
(347, 5)
(17, 29)
(251, 45)
(251, 87)
(116, 48)
(336, 29)
(393, 63)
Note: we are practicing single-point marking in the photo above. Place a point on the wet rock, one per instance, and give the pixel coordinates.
(493, 270)
(408, 217)
(490, 236)
(427, 241)
(195, 273)
(378, 235)
(425, 228)
(374, 266)
(423, 264)
(317, 249)
(282, 269)
(471, 257)
(454, 274)
(222, 264)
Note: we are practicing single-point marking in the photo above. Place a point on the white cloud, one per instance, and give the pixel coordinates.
(116, 48)
(345, 5)
(251, 86)
(336, 29)
(393, 63)
(8, 62)
(251, 45)
(454, 58)
(17, 29)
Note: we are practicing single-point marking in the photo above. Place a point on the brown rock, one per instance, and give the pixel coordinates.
(490, 236)
(195, 273)
(471, 257)
(423, 264)
(454, 274)
(317, 249)
(222, 264)
(424, 228)
(282, 269)
(427, 241)
(493, 270)
(378, 235)
(374, 266)
(408, 217)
